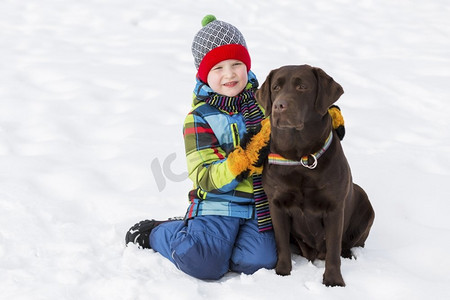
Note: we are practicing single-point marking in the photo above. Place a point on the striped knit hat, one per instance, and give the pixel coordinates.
(215, 42)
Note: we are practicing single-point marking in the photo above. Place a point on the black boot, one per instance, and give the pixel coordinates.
(140, 233)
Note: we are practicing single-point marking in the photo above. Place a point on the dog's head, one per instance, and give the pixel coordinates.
(297, 95)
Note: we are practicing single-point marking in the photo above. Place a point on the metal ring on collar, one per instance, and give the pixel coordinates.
(311, 166)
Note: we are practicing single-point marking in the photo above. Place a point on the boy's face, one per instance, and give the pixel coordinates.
(228, 78)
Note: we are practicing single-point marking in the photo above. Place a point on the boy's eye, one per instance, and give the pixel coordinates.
(237, 64)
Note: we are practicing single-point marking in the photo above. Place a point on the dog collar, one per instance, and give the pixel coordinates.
(276, 159)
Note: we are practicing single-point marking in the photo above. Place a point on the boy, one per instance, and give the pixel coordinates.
(227, 225)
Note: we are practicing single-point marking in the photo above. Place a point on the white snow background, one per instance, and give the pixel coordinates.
(93, 95)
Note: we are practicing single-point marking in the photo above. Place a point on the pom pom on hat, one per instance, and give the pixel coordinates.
(215, 42)
(208, 19)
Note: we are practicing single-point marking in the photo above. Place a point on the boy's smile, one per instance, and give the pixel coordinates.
(231, 84)
(228, 77)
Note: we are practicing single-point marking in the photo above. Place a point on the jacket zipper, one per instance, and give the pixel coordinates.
(235, 134)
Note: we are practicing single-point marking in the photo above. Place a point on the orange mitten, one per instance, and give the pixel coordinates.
(338, 121)
(248, 158)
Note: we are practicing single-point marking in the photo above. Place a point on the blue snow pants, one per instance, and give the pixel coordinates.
(210, 246)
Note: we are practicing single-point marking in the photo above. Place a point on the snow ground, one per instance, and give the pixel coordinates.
(92, 99)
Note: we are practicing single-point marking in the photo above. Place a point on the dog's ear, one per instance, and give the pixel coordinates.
(264, 95)
(328, 91)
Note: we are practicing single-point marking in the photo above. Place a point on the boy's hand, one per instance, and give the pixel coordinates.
(257, 149)
(248, 159)
(338, 121)
(238, 162)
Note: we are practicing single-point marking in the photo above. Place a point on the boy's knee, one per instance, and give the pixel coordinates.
(251, 264)
(206, 270)
(202, 261)
(250, 259)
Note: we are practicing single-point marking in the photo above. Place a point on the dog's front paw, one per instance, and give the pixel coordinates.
(283, 268)
(333, 278)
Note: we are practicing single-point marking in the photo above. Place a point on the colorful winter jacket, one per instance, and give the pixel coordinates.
(209, 135)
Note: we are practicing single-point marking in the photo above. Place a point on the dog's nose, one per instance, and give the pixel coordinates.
(280, 105)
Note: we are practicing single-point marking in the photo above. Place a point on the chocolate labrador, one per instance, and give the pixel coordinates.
(307, 179)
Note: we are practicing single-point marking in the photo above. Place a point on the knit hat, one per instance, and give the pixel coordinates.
(215, 42)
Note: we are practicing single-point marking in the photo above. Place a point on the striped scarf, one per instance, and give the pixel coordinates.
(245, 104)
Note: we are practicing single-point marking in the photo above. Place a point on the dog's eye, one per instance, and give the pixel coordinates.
(276, 88)
(301, 87)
